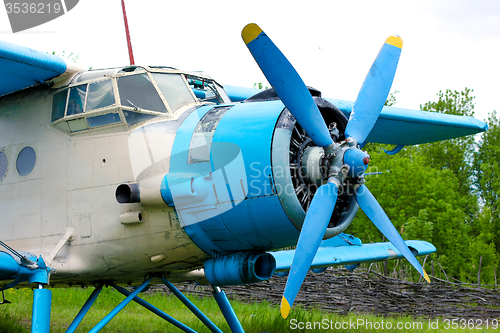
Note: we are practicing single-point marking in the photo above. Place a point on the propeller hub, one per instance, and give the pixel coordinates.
(311, 165)
(357, 160)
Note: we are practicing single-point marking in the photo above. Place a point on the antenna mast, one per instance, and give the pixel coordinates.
(129, 42)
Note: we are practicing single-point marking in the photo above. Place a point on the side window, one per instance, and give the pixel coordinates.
(201, 141)
(76, 101)
(3, 164)
(205, 90)
(59, 104)
(26, 161)
(103, 119)
(137, 91)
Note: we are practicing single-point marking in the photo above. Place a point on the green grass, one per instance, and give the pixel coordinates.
(255, 317)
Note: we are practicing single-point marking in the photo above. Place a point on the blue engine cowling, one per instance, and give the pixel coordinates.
(233, 179)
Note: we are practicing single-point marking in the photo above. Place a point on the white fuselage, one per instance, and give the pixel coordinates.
(65, 209)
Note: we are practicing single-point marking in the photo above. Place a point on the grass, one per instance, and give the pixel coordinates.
(255, 317)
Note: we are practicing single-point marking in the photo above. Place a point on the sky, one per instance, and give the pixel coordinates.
(448, 44)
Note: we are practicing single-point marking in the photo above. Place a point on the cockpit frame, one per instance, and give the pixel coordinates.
(121, 98)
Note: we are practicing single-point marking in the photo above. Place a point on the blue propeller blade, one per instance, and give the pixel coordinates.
(374, 91)
(314, 227)
(376, 214)
(288, 85)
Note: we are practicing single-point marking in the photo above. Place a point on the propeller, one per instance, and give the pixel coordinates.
(289, 86)
(348, 160)
(374, 91)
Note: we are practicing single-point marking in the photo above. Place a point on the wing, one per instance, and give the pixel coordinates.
(22, 67)
(409, 127)
(346, 250)
(238, 94)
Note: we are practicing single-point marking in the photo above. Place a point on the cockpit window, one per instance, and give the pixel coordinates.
(76, 102)
(137, 91)
(100, 95)
(128, 96)
(174, 89)
(204, 90)
(59, 104)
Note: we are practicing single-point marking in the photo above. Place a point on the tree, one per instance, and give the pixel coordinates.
(482, 251)
(487, 171)
(422, 202)
(428, 193)
(455, 155)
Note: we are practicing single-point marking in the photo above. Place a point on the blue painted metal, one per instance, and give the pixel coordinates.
(239, 268)
(251, 127)
(313, 230)
(22, 67)
(341, 239)
(376, 214)
(288, 85)
(84, 310)
(373, 93)
(204, 319)
(8, 266)
(120, 307)
(37, 273)
(395, 150)
(355, 158)
(227, 311)
(40, 319)
(155, 310)
(234, 218)
(238, 94)
(352, 254)
(397, 126)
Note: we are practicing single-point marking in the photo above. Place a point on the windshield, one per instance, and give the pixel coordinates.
(129, 98)
(138, 91)
(174, 89)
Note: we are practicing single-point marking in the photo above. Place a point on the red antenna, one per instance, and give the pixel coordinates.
(129, 43)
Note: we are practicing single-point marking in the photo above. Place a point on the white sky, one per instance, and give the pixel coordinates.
(448, 44)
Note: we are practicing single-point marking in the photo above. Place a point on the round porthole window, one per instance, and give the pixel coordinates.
(26, 161)
(3, 164)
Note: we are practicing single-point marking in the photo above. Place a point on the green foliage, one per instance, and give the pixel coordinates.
(260, 86)
(487, 169)
(455, 155)
(391, 100)
(444, 192)
(422, 202)
(71, 56)
(11, 325)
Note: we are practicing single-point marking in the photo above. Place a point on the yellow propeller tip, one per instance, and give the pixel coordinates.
(285, 308)
(395, 41)
(426, 277)
(250, 32)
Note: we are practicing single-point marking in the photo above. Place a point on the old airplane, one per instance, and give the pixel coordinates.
(128, 174)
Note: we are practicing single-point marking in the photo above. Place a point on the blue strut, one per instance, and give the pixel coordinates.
(211, 326)
(79, 317)
(227, 310)
(120, 307)
(156, 311)
(40, 319)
